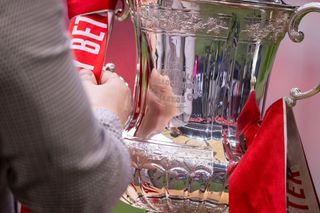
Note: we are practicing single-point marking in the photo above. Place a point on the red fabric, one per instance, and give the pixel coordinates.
(78, 7)
(249, 120)
(89, 38)
(89, 34)
(257, 184)
(24, 210)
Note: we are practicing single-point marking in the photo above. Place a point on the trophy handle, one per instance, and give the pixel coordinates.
(297, 36)
(297, 94)
(122, 13)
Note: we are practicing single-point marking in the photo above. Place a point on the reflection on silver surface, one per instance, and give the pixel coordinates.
(165, 173)
(196, 60)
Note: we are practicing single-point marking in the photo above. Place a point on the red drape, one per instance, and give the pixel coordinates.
(257, 185)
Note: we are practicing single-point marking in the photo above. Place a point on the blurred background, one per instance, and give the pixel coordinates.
(296, 65)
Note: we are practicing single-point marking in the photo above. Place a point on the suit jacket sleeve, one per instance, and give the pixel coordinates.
(58, 157)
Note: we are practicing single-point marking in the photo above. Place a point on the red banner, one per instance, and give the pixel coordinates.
(89, 34)
(77, 7)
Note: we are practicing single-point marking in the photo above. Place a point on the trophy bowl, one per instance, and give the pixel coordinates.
(197, 61)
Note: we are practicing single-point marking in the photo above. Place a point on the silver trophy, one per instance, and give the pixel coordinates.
(197, 61)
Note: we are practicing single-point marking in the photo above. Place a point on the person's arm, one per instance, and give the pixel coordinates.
(59, 158)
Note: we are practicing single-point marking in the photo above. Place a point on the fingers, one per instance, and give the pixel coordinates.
(107, 75)
(87, 76)
(124, 81)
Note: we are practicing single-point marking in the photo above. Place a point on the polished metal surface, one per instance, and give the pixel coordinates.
(196, 62)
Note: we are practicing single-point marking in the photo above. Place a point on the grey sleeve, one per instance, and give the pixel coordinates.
(58, 157)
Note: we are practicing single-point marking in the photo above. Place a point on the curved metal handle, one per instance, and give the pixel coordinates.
(297, 36)
(297, 94)
(122, 13)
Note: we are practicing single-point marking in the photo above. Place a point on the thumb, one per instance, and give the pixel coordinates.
(107, 75)
(87, 76)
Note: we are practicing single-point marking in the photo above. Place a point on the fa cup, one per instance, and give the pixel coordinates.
(197, 61)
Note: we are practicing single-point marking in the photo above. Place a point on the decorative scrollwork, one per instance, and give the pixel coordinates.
(177, 21)
(294, 33)
(256, 29)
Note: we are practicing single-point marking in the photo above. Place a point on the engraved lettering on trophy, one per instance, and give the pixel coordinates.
(295, 193)
(181, 81)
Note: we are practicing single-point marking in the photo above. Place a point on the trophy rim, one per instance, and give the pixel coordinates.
(251, 4)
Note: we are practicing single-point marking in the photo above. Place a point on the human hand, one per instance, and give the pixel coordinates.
(161, 106)
(112, 94)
